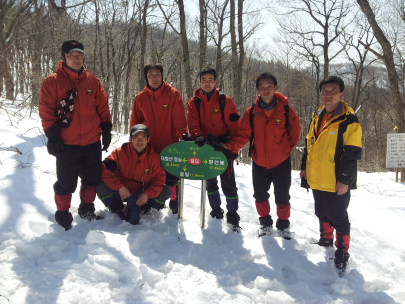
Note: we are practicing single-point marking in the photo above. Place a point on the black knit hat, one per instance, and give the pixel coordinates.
(72, 45)
(139, 128)
(210, 70)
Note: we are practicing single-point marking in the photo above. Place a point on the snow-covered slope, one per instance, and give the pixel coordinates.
(164, 260)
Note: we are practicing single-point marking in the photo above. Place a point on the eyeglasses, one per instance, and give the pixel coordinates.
(77, 56)
(208, 80)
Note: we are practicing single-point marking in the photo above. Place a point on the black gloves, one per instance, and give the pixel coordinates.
(200, 141)
(187, 137)
(55, 144)
(224, 138)
(106, 132)
(110, 165)
(216, 144)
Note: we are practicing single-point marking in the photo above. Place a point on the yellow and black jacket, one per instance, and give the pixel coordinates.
(331, 155)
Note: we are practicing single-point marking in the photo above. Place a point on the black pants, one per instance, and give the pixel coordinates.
(280, 176)
(228, 183)
(332, 208)
(78, 161)
(171, 180)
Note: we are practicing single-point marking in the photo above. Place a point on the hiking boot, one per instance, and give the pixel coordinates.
(325, 242)
(286, 233)
(266, 223)
(162, 206)
(64, 218)
(90, 215)
(341, 261)
(217, 213)
(145, 208)
(120, 214)
(232, 218)
(174, 206)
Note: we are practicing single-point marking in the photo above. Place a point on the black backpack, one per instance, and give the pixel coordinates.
(286, 115)
(222, 95)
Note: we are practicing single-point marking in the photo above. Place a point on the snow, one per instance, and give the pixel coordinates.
(164, 260)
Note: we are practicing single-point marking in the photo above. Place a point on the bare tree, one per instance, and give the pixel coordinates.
(218, 32)
(326, 23)
(388, 58)
(12, 14)
(143, 43)
(184, 41)
(203, 33)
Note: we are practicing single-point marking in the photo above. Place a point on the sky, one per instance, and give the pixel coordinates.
(164, 260)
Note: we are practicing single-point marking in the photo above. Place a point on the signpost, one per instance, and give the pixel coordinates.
(395, 151)
(189, 161)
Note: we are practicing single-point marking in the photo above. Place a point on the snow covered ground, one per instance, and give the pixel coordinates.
(164, 260)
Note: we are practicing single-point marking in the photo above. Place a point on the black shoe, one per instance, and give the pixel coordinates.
(217, 213)
(120, 213)
(174, 206)
(341, 261)
(325, 242)
(232, 218)
(162, 206)
(145, 208)
(264, 230)
(90, 215)
(67, 227)
(64, 218)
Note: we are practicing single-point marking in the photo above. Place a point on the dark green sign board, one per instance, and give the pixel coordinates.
(189, 161)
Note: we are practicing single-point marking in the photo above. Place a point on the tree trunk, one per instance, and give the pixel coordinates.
(388, 58)
(238, 99)
(186, 53)
(235, 89)
(141, 80)
(36, 58)
(203, 35)
(218, 66)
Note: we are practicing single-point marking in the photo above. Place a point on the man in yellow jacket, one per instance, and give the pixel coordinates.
(329, 165)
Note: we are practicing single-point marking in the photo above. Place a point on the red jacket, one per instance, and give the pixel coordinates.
(272, 144)
(134, 171)
(90, 105)
(209, 121)
(162, 111)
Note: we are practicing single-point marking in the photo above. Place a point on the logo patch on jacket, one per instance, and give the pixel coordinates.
(331, 132)
(216, 111)
(146, 171)
(165, 107)
(278, 121)
(89, 92)
(257, 113)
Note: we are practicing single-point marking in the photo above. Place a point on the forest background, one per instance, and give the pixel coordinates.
(307, 40)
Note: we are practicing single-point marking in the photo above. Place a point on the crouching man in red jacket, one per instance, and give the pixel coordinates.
(133, 174)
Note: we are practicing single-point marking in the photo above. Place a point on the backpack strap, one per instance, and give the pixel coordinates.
(197, 102)
(286, 114)
(221, 99)
(251, 116)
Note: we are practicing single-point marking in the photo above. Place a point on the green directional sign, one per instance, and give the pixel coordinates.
(189, 161)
